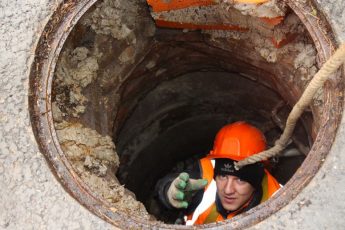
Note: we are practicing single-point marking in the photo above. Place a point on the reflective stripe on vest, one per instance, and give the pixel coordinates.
(209, 195)
(206, 209)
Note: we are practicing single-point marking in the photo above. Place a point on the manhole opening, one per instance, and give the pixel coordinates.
(161, 95)
(174, 125)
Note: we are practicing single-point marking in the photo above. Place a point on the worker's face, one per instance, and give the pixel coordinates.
(233, 192)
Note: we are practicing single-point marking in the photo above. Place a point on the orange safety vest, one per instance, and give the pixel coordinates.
(206, 212)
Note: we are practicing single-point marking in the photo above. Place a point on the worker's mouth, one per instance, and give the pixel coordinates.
(229, 200)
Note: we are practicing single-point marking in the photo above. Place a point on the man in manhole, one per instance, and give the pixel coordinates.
(219, 191)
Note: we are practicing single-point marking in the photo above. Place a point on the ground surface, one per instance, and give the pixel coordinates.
(31, 197)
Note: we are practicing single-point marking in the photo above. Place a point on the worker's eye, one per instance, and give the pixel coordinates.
(240, 181)
(221, 177)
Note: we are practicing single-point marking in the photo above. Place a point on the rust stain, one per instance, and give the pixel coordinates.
(162, 5)
(272, 21)
(185, 25)
(288, 38)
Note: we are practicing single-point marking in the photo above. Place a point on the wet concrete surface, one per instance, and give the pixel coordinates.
(32, 198)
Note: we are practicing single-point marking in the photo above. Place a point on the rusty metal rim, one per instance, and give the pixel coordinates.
(42, 70)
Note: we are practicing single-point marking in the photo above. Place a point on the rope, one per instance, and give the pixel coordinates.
(335, 61)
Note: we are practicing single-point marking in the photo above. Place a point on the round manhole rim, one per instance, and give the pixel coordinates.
(47, 52)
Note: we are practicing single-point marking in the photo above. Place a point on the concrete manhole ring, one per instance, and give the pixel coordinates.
(41, 78)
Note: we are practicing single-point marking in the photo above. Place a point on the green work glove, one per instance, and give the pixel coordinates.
(181, 188)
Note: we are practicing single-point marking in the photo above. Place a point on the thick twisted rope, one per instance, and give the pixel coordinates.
(335, 61)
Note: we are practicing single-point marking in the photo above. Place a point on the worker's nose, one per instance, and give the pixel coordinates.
(229, 186)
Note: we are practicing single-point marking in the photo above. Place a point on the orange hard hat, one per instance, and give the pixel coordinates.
(238, 141)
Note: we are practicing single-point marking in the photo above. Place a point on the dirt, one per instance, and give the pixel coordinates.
(106, 20)
(225, 12)
(270, 9)
(259, 33)
(300, 48)
(92, 155)
(76, 69)
(95, 160)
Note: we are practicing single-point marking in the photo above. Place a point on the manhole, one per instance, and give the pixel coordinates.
(103, 73)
